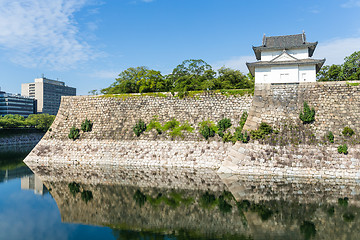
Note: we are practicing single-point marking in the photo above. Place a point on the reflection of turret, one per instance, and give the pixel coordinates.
(33, 182)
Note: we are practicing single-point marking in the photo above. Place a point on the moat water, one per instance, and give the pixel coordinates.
(67, 201)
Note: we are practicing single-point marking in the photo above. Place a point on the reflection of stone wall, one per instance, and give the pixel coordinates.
(289, 202)
(336, 105)
(20, 139)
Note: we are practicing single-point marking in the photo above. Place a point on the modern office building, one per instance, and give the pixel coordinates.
(16, 104)
(47, 93)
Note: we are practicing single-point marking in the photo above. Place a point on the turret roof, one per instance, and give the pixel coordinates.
(284, 43)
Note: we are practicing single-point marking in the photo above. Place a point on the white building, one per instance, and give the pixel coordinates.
(285, 59)
(47, 93)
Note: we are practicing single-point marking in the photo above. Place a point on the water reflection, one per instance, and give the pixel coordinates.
(187, 204)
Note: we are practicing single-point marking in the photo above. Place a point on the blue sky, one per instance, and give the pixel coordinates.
(87, 43)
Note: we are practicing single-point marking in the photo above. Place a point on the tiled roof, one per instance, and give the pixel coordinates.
(284, 42)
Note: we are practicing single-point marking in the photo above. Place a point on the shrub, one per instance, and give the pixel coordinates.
(348, 132)
(139, 127)
(223, 125)
(228, 137)
(86, 196)
(207, 129)
(74, 188)
(172, 124)
(243, 137)
(343, 202)
(74, 133)
(263, 130)
(343, 149)
(86, 126)
(330, 137)
(243, 120)
(154, 124)
(308, 115)
(178, 130)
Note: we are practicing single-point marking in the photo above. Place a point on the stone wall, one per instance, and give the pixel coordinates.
(337, 105)
(302, 161)
(112, 140)
(115, 117)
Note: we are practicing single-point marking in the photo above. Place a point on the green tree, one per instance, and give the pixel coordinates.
(330, 73)
(40, 121)
(12, 121)
(232, 79)
(135, 80)
(192, 75)
(351, 67)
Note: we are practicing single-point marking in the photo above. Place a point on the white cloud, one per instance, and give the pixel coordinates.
(105, 74)
(42, 33)
(337, 49)
(235, 63)
(351, 3)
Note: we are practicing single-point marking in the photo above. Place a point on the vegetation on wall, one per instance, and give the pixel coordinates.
(86, 126)
(37, 121)
(348, 132)
(74, 133)
(330, 137)
(343, 149)
(307, 115)
(207, 129)
(139, 127)
(223, 125)
(263, 130)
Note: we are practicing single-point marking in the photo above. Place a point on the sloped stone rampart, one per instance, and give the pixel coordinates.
(337, 105)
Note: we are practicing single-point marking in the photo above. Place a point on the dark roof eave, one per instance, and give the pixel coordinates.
(318, 63)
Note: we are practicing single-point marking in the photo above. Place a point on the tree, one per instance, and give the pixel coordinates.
(40, 121)
(351, 67)
(232, 79)
(134, 80)
(330, 73)
(192, 75)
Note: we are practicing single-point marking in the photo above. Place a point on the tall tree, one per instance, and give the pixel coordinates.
(351, 67)
(192, 75)
(232, 79)
(134, 80)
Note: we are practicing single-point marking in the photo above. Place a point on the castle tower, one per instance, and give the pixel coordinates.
(285, 59)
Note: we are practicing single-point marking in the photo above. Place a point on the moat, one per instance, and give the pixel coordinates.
(62, 201)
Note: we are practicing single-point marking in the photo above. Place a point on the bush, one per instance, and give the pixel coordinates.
(207, 200)
(74, 133)
(207, 129)
(178, 130)
(348, 217)
(263, 130)
(139, 128)
(224, 206)
(343, 149)
(154, 124)
(243, 120)
(223, 125)
(86, 126)
(228, 137)
(348, 132)
(330, 137)
(172, 124)
(243, 137)
(308, 115)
